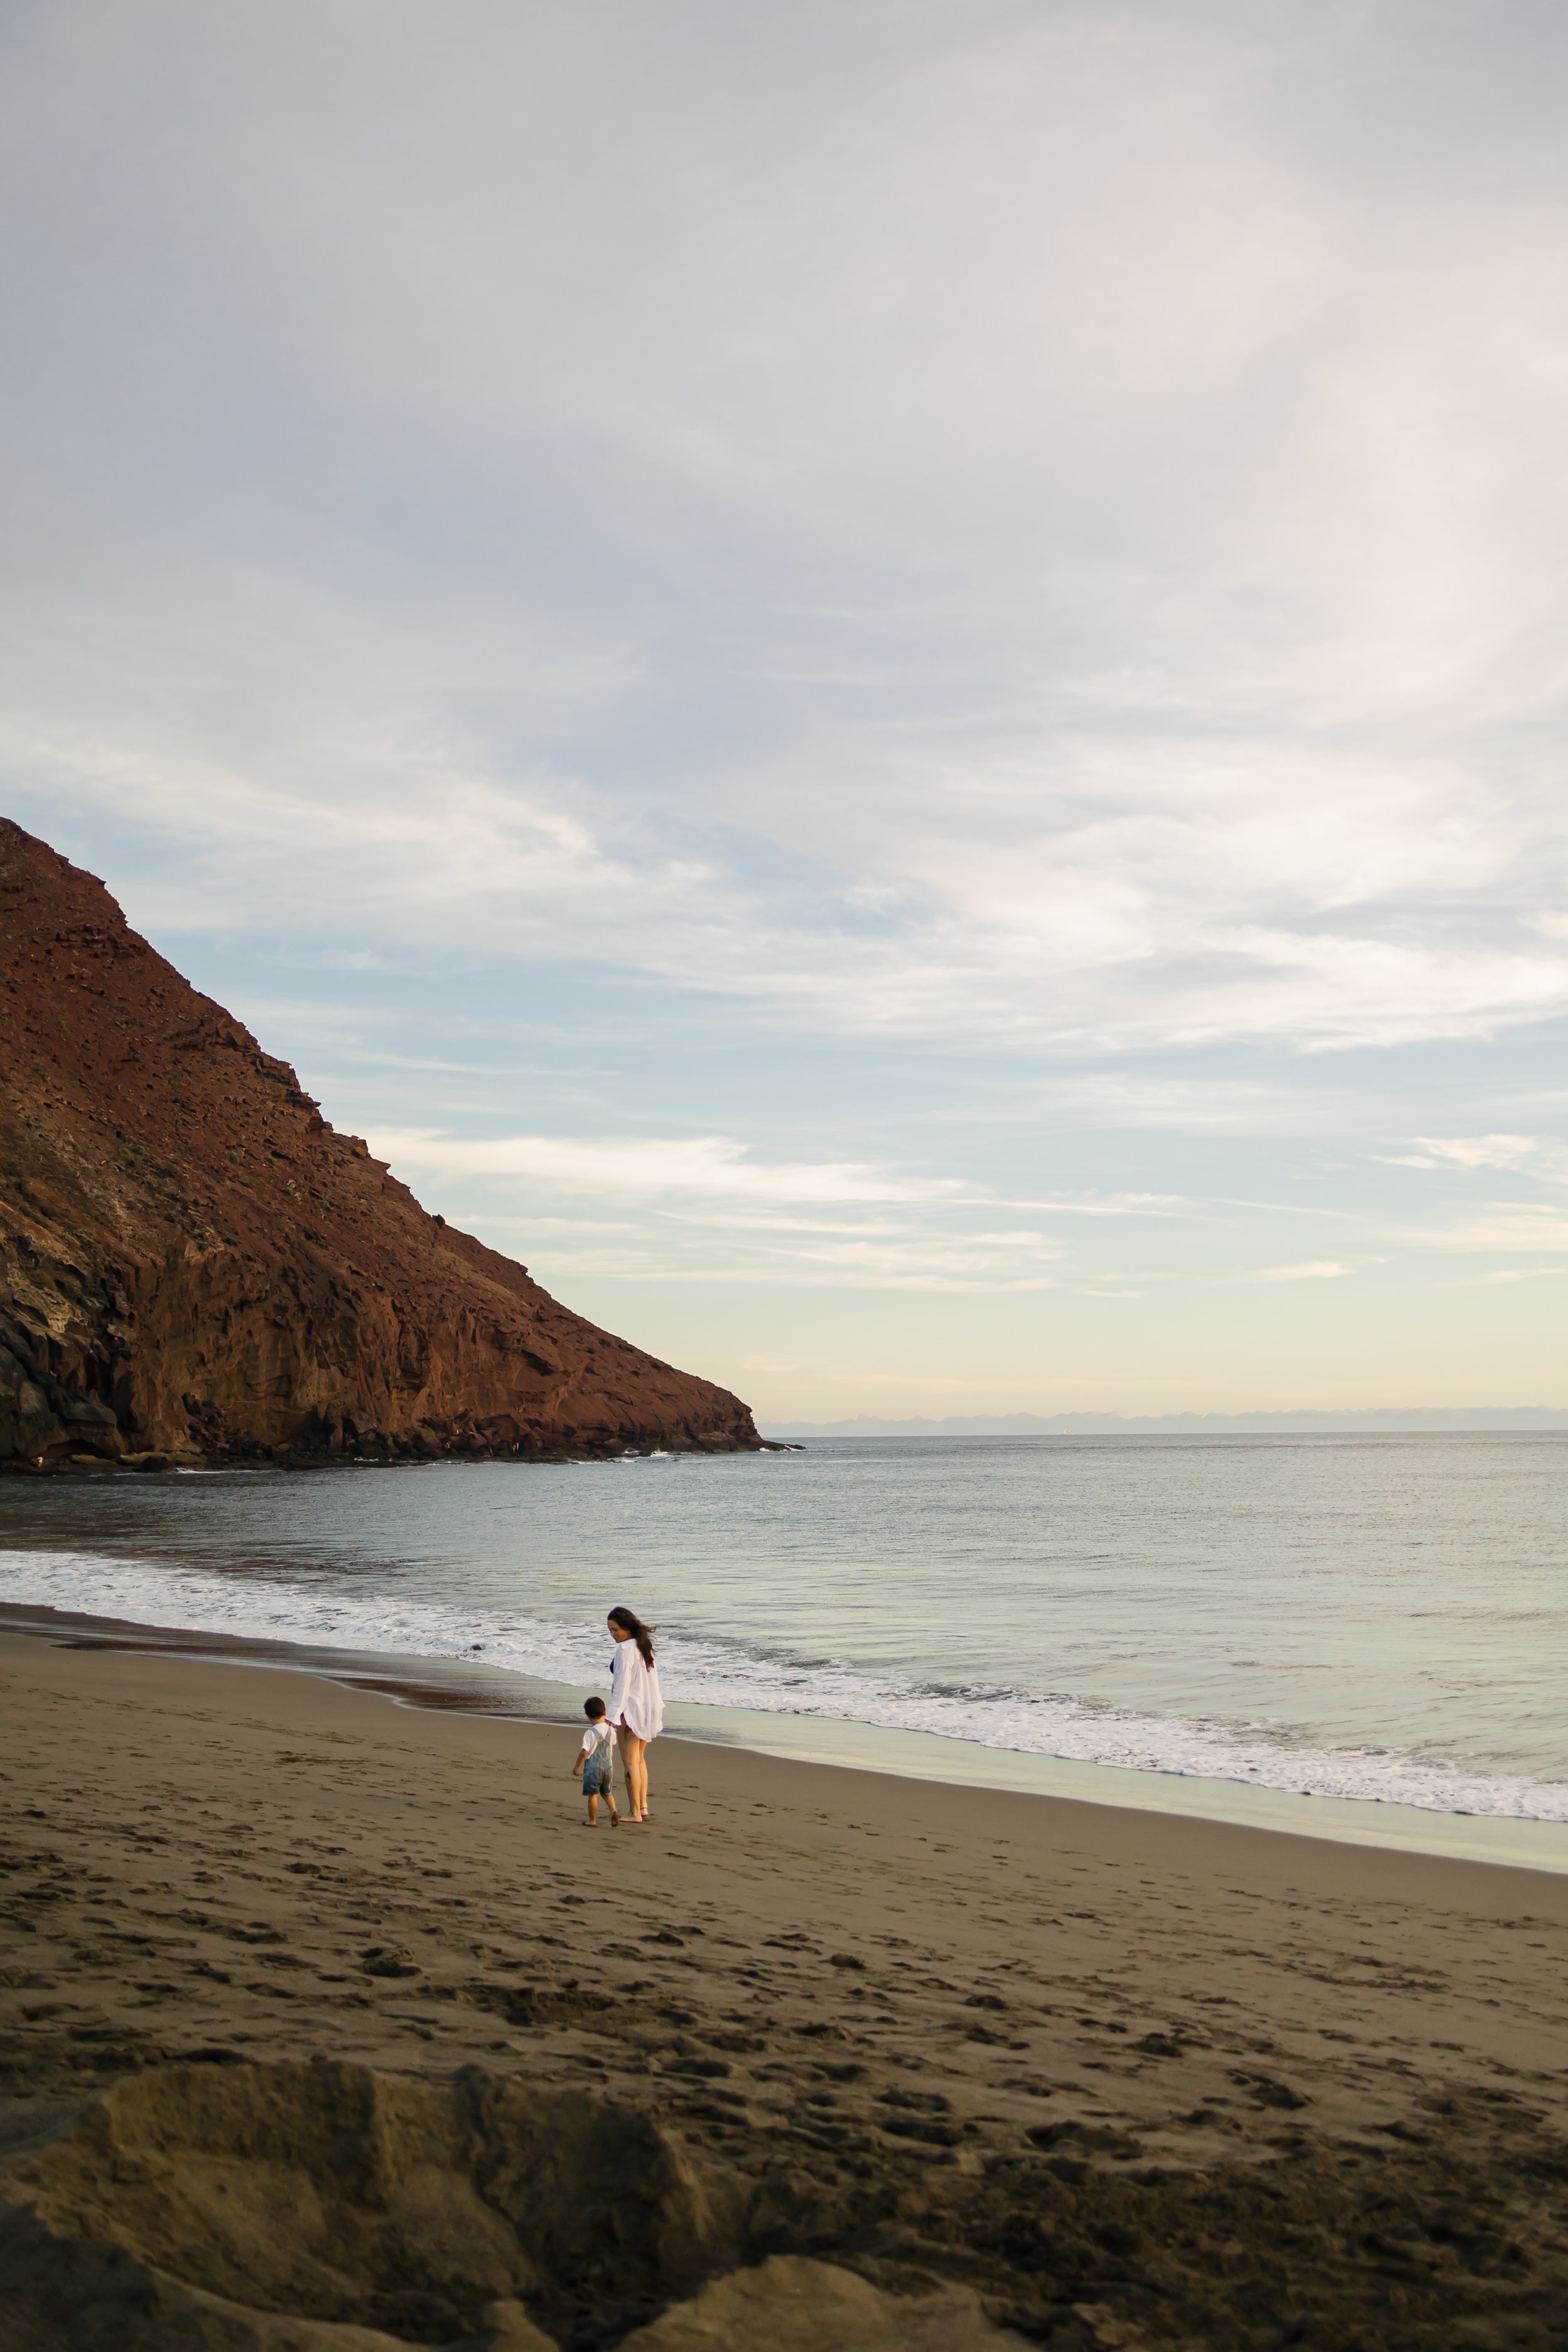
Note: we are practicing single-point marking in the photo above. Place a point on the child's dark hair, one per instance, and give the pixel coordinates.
(630, 1622)
(593, 1708)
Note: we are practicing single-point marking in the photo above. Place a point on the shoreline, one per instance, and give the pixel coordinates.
(1132, 2080)
(455, 1686)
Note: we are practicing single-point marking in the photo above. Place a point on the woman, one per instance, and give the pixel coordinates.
(636, 1707)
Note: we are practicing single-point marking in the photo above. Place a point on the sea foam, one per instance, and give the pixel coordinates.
(316, 1612)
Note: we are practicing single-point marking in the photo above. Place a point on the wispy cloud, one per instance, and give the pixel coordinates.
(1509, 1227)
(1505, 1275)
(1122, 666)
(1511, 1153)
(919, 1273)
(1314, 1269)
(1468, 1152)
(1146, 1096)
(549, 1226)
(704, 1164)
(1108, 1204)
(1285, 1208)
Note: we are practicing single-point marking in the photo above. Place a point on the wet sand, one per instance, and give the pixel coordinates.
(1124, 2078)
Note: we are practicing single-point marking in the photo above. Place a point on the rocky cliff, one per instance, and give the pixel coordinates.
(192, 1262)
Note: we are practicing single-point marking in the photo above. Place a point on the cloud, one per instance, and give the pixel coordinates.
(1126, 931)
(1476, 1151)
(1511, 1153)
(553, 1225)
(711, 1220)
(1509, 1227)
(638, 1165)
(673, 1242)
(1316, 1269)
(997, 1261)
(1016, 528)
(1152, 1095)
(917, 1273)
(412, 832)
(1284, 1208)
(1505, 1275)
(1108, 1204)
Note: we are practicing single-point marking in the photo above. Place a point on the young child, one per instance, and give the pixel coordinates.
(595, 1759)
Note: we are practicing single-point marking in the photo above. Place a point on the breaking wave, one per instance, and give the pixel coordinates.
(317, 1613)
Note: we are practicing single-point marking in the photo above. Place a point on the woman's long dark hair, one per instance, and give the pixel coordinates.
(630, 1622)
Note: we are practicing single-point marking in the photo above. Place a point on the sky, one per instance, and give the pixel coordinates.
(882, 682)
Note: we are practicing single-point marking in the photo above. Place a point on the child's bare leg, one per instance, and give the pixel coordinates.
(594, 1812)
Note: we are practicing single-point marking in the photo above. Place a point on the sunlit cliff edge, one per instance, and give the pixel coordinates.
(195, 1264)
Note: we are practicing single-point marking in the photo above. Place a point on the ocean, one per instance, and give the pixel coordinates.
(1366, 1622)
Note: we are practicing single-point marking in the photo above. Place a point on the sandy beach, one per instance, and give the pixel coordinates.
(952, 2067)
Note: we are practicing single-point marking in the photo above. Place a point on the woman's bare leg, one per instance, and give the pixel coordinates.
(632, 1750)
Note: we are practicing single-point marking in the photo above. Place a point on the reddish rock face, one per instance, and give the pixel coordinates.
(192, 1262)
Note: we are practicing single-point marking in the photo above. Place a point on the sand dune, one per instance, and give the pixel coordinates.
(325, 2016)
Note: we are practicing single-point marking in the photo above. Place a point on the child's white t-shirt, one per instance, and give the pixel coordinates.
(596, 1738)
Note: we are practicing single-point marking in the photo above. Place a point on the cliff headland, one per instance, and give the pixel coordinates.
(194, 1263)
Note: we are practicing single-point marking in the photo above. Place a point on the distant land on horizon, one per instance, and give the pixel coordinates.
(1435, 1420)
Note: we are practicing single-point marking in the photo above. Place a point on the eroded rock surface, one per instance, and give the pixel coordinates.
(791, 2303)
(194, 1263)
(326, 2207)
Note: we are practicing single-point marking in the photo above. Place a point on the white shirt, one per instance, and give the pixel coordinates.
(633, 1693)
(595, 1739)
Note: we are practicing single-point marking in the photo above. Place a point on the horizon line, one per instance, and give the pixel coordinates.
(1406, 1420)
